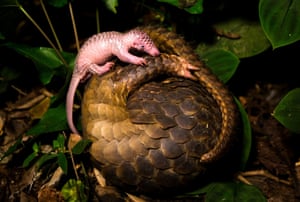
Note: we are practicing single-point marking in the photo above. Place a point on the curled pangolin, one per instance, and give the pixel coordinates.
(153, 131)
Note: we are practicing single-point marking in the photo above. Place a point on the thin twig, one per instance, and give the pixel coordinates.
(98, 20)
(18, 90)
(74, 165)
(42, 32)
(51, 25)
(70, 147)
(265, 174)
(74, 26)
(243, 179)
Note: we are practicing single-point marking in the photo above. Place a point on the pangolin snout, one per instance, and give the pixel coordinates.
(154, 51)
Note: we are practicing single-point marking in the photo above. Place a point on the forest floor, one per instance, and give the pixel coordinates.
(272, 167)
(259, 84)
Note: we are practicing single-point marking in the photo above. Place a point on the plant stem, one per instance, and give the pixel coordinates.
(97, 20)
(74, 26)
(51, 25)
(42, 32)
(74, 165)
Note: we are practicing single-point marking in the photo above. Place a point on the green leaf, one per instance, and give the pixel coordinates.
(12, 148)
(59, 143)
(29, 159)
(199, 191)
(2, 37)
(42, 55)
(57, 3)
(35, 147)
(287, 112)
(196, 8)
(222, 63)
(111, 5)
(62, 162)
(44, 158)
(53, 120)
(45, 59)
(6, 3)
(80, 146)
(7, 74)
(251, 40)
(231, 191)
(73, 191)
(171, 2)
(280, 21)
(193, 7)
(221, 192)
(247, 135)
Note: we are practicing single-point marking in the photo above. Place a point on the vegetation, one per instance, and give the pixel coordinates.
(39, 41)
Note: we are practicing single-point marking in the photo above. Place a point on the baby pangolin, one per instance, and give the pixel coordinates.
(95, 54)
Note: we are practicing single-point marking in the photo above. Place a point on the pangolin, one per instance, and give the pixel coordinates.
(159, 128)
(95, 54)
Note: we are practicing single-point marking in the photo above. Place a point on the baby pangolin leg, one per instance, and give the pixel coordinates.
(125, 56)
(97, 69)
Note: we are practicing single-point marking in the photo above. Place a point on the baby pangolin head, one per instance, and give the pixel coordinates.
(142, 42)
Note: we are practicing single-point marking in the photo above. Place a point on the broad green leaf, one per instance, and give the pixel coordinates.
(45, 74)
(222, 63)
(73, 191)
(280, 21)
(228, 191)
(111, 5)
(196, 8)
(287, 112)
(249, 193)
(221, 192)
(41, 55)
(232, 191)
(247, 136)
(53, 120)
(250, 39)
(80, 146)
(62, 162)
(45, 59)
(57, 3)
(199, 191)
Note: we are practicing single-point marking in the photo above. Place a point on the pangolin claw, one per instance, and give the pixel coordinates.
(187, 69)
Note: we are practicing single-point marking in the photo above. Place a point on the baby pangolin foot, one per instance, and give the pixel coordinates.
(97, 69)
(140, 61)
